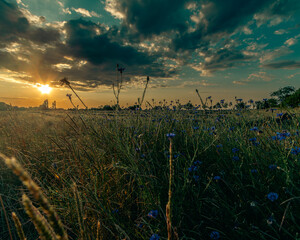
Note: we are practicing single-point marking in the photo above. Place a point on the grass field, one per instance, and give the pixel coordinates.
(235, 175)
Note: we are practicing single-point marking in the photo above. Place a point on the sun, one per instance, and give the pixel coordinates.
(45, 89)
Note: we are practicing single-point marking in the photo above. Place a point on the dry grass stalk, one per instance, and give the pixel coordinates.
(18, 226)
(37, 194)
(41, 225)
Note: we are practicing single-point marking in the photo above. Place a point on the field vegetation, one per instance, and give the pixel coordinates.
(234, 174)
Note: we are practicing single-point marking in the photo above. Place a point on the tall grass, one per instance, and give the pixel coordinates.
(107, 176)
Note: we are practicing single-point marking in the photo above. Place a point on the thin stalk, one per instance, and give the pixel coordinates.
(6, 219)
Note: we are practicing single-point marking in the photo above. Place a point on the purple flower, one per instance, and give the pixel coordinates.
(272, 196)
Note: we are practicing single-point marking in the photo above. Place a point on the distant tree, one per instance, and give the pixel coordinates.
(107, 108)
(240, 105)
(272, 102)
(294, 99)
(282, 93)
(188, 106)
(134, 107)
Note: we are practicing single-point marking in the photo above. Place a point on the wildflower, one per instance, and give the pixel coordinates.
(214, 235)
(170, 135)
(154, 237)
(272, 167)
(196, 128)
(272, 196)
(139, 225)
(254, 129)
(153, 214)
(234, 150)
(254, 170)
(192, 168)
(196, 178)
(219, 146)
(295, 150)
(217, 178)
(235, 158)
(115, 210)
(279, 114)
(238, 114)
(213, 128)
(197, 162)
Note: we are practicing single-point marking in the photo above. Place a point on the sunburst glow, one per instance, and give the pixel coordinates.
(45, 89)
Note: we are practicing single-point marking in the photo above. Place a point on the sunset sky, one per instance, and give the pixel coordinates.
(224, 48)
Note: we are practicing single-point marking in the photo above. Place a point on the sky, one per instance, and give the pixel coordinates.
(222, 48)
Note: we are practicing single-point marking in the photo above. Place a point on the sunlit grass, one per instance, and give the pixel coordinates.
(228, 169)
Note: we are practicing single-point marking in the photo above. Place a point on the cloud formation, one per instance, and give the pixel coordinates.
(289, 64)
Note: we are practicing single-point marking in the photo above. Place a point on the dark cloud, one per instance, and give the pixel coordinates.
(152, 17)
(220, 60)
(14, 26)
(218, 19)
(99, 48)
(283, 65)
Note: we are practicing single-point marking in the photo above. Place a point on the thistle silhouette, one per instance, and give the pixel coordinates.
(119, 85)
(65, 81)
(70, 98)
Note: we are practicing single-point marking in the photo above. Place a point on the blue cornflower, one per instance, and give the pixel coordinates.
(213, 128)
(217, 178)
(272, 166)
(197, 162)
(170, 135)
(235, 158)
(115, 210)
(231, 128)
(196, 178)
(214, 235)
(252, 139)
(234, 150)
(272, 196)
(238, 114)
(254, 170)
(196, 128)
(254, 129)
(279, 114)
(219, 146)
(153, 214)
(154, 237)
(192, 168)
(295, 150)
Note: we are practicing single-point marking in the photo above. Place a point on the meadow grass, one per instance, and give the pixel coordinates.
(107, 175)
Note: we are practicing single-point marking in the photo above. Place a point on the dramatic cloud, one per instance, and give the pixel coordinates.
(283, 65)
(220, 60)
(149, 37)
(15, 26)
(150, 17)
